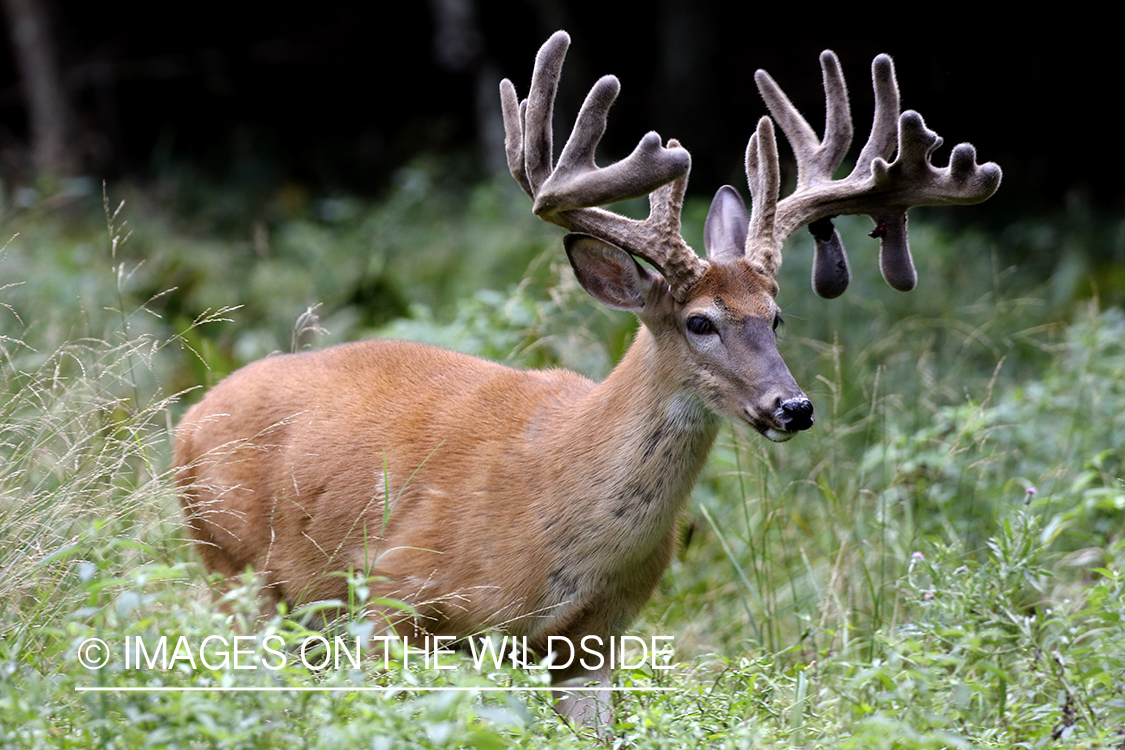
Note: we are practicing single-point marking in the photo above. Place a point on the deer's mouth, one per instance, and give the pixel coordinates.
(777, 436)
(768, 428)
(772, 433)
(790, 417)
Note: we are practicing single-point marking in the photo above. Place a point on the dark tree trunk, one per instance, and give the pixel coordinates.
(50, 117)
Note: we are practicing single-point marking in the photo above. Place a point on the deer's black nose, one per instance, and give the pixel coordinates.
(795, 414)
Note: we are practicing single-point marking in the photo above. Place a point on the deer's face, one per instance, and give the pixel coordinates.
(725, 337)
(717, 343)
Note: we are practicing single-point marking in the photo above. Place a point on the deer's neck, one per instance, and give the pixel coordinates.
(631, 451)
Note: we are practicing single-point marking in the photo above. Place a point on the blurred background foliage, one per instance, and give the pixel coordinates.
(350, 159)
(339, 98)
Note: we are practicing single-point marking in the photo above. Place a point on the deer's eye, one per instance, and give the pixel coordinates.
(777, 322)
(700, 326)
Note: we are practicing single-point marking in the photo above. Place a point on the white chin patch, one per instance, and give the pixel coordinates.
(778, 436)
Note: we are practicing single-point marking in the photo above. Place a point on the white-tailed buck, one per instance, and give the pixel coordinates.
(541, 503)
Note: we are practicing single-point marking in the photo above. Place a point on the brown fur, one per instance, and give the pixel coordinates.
(539, 503)
(499, 516)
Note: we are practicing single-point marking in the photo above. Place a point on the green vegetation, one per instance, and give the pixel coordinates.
(938, 563)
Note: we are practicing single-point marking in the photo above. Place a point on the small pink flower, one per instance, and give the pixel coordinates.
(917, 557)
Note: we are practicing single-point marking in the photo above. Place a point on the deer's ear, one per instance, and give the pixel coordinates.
(724, 233)
(609, 274)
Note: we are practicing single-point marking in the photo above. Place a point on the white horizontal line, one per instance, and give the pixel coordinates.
(378, 689)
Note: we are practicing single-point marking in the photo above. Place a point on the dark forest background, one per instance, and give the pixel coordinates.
(336, 95)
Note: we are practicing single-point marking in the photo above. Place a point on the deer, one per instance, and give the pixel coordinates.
(541, 503)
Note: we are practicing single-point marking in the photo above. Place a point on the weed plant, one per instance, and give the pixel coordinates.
(938, 563)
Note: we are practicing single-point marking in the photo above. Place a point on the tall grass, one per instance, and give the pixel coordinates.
(84, 425)
(938, 563)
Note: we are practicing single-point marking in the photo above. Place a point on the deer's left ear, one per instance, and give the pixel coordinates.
(609, 274)
(724, 233)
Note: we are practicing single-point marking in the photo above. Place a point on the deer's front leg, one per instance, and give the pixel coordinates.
(591, 664)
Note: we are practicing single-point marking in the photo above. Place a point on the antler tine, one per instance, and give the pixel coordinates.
(514, 112)
(816, 162)
(568, 193)
(764, 178)
(539, 109)
(875, 187)
(883, 140)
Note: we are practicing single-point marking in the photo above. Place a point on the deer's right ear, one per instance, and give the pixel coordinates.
(609, 274)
